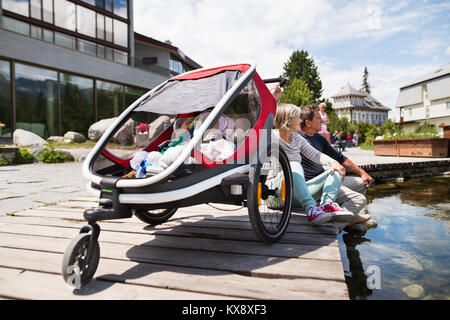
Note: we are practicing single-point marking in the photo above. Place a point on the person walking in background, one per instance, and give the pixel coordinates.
(339, 139)
(324, 131)
(356, 138)
(349, 140)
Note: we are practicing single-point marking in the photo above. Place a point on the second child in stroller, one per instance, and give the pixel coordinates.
(216, 145)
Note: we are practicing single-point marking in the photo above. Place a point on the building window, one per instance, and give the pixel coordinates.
(120, 33)
(121, 8)
(17, 6)
(176, 66)
(86, 22)
(36, 92)
(77, 103)
(100, 26)
(448, 105)
(110, 102)
(5, 98)
(47, 6)
(35, 6)
(65, 14)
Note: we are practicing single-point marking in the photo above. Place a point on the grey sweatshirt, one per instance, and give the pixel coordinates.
(299, 146)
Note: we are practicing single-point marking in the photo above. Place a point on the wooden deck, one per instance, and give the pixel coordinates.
(201, 253)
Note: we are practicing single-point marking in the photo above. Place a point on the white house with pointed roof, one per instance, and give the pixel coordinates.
(426, 100)
(359, 105)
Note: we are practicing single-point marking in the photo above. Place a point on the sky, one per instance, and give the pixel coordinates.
(398, 41)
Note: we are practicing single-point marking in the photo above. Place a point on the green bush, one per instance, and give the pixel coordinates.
(4, 161)
(54, 156)
(23, 156)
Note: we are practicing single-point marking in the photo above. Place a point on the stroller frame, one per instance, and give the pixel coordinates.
(120, 198)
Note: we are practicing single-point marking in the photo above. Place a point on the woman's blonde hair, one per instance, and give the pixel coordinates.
(285, 112)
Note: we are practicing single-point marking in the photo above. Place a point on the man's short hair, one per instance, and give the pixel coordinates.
(307, 113)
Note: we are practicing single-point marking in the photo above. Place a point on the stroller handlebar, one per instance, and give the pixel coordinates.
(282, 81)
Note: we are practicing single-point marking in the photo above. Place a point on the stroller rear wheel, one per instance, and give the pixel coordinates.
(269, 195)
(155, 217)
(79, 265)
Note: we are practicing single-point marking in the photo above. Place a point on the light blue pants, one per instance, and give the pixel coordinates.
(325, 186)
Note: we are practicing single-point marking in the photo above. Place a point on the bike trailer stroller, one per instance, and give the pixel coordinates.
(201, 137)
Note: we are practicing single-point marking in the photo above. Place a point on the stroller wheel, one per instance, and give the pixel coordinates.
(269, 195)
(78, 269)
(155, 217)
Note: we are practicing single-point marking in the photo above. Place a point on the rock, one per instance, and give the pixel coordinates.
(75, 136)
(36, 150)
(362, 227)
(125, 135)
(26, 138)
(55, 139)
(97, 129)
(157, 126)
(414, 291)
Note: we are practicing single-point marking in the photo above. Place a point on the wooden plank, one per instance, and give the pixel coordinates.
(167, 241)
(187, 279)
(42, 286)
(186, 231)
(255, 265)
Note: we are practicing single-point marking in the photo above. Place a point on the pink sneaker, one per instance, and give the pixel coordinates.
(316, 215)
(337, 213)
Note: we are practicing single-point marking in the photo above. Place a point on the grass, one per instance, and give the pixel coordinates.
(366, 146)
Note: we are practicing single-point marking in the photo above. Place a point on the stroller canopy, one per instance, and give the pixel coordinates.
(192, 92)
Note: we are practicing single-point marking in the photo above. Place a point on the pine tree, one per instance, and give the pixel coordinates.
(302, 67)
(297, 93)
(365, 84)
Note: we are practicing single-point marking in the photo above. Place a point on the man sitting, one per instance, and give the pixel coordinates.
(352, 193)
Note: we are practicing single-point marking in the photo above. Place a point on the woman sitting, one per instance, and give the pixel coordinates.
(287, 121)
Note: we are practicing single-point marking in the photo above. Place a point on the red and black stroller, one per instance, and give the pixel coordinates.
(200, 137)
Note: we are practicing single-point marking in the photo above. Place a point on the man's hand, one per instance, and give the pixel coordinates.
(336, 166)
(367, 179)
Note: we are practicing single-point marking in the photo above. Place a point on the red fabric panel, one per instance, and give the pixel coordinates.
(211, 72)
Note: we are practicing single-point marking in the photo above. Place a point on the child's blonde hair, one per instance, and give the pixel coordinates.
(285, 112)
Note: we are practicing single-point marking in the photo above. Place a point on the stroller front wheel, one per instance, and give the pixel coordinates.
(79, 264)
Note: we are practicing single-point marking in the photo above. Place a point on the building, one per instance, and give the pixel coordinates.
(67, 63)
(426, 100)
(359, 106)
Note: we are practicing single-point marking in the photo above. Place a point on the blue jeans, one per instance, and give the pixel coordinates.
(325, 184)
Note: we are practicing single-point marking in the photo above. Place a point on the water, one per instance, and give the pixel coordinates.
(407, 256)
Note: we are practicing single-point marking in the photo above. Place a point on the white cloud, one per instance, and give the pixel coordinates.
(427, 47)
(447, 51)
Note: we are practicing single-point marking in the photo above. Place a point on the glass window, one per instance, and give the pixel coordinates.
(109, 5)
(17, 6)
(35, 6)
(36, 32)
(100, 51)
(110, 102)
(120, 33)
(100, 26)
(100, 4)
(108, 29)
(86, 21)
(48, 35)
(65, 14)
(109, 53)
(87, 47)
(5, 99)
(36, 96)
(132, 94)
(65, 40)
(120, 56)
(121, 8)
(48, 10)
(77, 103)
(89, 1)
(16, 26)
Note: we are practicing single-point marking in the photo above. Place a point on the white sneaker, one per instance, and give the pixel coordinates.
(337, 213)
(316, 215)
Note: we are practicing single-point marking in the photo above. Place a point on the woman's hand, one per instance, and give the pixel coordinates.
(336, 166)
